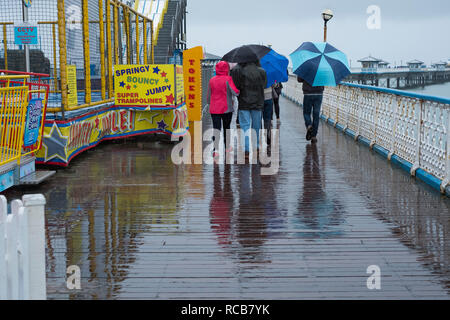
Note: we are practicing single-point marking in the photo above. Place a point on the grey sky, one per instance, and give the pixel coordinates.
(410, 29)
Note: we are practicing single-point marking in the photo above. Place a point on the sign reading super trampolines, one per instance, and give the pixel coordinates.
(146, 85)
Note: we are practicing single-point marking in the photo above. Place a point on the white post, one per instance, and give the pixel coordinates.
(12, 261)
(377, 99)
(416, 164)
(348, 103)
(396, 109)
(446, 180)
(359, 113)
(35, 211)
(23, 253)
(3, 279)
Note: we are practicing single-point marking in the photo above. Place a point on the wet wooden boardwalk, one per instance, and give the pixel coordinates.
(141, 228)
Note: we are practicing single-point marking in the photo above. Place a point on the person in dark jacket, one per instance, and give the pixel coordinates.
(312, 102)
(276, 100)
(250, 79)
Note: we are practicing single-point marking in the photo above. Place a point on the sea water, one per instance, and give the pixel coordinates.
(440, 90)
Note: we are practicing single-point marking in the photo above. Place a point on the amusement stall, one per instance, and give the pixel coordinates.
(149, 99)
(82, 79)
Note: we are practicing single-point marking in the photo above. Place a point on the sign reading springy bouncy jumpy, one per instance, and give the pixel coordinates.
(33, 122)
(146, 85)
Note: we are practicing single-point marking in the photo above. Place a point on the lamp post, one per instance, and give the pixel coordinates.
(327, 15)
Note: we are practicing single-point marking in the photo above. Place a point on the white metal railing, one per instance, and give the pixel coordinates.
(22, 249)
(414, 127)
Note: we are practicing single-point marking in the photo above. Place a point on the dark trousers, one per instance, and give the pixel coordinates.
(276, 103)
(312, 103)
(218, 120)
(267, 116)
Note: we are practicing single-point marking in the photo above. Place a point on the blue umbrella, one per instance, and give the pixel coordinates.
(320, 64)
(272, 62)
(276, 67)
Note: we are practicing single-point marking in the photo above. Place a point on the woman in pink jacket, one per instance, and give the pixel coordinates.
(220, 99)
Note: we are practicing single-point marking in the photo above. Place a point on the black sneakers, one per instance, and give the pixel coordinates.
(309, 133)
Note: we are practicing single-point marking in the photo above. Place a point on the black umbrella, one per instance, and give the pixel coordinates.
(247, 53)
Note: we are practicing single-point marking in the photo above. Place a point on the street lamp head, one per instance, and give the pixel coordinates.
(327, 15)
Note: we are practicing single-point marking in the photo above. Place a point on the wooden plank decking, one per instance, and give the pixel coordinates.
(141, 228)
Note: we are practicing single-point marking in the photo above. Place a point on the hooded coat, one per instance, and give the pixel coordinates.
(221, 90)
(251, 80)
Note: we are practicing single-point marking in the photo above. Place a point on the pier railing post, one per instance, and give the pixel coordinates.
(337, 101)
(3, 277)
(418, 115)
(35, 211)
(377, 100)
(446, 181)
(396, 106)
(12, 261)
(23, 253)
(348, 103)
(358, 113)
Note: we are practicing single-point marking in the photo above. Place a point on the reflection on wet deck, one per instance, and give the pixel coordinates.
(140, 227)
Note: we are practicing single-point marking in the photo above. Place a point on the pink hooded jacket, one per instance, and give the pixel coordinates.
(221, 90)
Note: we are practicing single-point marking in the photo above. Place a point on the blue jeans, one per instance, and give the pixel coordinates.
(312, 103)
(250, 119)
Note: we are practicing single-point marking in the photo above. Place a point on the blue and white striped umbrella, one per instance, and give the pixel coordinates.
(320, 64)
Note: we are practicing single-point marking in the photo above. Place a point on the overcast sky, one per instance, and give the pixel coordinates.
(410, 29)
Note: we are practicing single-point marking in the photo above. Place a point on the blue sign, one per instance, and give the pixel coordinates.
(27, 3)
(6, 180)
(26, 34)
(33, 123)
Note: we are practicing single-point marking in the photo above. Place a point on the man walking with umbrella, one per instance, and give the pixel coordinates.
(312, 102)
(259, 68)
(250, 79)
(317, 65)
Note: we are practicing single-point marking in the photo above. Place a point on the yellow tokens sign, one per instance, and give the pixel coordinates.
(193, 82)
(147, 85)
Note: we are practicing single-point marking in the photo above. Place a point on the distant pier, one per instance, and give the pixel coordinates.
(375, 72)
(400, 78)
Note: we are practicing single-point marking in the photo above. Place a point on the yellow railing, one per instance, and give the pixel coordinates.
(122, 15)
(122, 38)
(13, 107)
